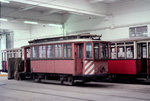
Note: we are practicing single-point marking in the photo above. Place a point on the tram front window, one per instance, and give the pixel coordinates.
(104, 50)
(96, 50)
(88, 50)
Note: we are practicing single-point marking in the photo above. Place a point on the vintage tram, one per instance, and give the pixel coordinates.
(130, 58)
(7, 54)
(71, 59)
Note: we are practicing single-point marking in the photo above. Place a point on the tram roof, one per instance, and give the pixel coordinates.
(67, 41)
(11, 49)
(132, 39)
(67, 37)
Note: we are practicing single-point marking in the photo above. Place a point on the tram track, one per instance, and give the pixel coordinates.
(70, 97)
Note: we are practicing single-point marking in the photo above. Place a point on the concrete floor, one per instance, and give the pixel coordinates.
(12, 90)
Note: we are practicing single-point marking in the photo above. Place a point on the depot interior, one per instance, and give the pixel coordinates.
(25, 20)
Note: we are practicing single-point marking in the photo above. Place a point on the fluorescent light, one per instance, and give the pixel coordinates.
(30, 22)
(5, 1)
(3, 19)
(55, 25)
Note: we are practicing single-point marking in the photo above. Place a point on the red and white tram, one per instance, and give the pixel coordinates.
(68, 60)
(7, 54)
(130, 57)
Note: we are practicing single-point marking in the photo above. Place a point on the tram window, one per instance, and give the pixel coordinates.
(67, 50)
(28, 53)
(130, 52)
(96, 50)
(121, 53)
(50, 53)
(88, 50)
(139, 50)
(113, 53)
(23, 53)
(35, 52)
(58, 51)
(104, 50)
(12, 54)
(42, 51)
(19, 54)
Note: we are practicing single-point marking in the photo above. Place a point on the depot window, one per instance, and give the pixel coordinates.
(50, 53)
(58, 51)
(35, 52)
(96, 50)
(42, 51)
(89, 50)
(138, 31)
(67, 50)
(104, 50)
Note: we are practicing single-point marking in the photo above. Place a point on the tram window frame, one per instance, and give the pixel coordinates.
(89, 51)
(130, 51)
(113, 54)
(19, 54)
(122, 49)
(50, 51)
(67, 50)
(42, 51)
(106, 56)
(96, 51)
(139, 55)
(58, 51)
(35, 53)
(22, 53)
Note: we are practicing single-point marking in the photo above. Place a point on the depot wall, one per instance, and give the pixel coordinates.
(25, 32)
(116, 25)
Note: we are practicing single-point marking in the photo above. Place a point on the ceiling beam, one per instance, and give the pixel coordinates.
(68, 5)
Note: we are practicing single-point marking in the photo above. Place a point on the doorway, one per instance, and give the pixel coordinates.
(79, 52)
(142, 55)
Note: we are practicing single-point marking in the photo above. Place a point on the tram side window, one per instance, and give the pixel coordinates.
(58, 51)
(96, 50)
(35, 52)
(113, 53)
(19, 53)
(50, 53)
(104, 51)
(42, 51)
(130, 52)
(67, 50)
(121, 52)
(88, 50)
(23, 53)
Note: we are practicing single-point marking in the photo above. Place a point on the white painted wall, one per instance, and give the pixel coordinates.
(116, 24)
(25, 32)
(43, 31)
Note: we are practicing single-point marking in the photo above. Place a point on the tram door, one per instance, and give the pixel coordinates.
(79, 58)
(142, 55)
(27, 60)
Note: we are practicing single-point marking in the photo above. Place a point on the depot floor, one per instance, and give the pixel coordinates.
(12, 90)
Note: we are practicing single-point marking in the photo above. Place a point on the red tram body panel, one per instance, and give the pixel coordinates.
(53, 66)
(124, 66)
